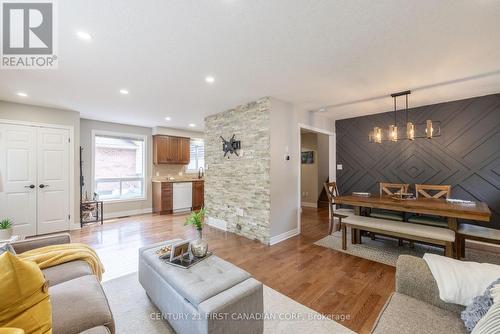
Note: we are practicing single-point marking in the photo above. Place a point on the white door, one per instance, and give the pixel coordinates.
(18, 177)
(53, 180)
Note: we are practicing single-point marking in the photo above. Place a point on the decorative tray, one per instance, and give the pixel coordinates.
(404, 197)
(187, 261)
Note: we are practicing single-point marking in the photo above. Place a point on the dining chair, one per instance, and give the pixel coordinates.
(390, 189)
(431, 191)
(441, 191)
(332, 192)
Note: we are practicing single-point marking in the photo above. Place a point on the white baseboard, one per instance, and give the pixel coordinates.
(309, 205)
(73, 227)
(217, 223)
(118, 214)
(283, 236)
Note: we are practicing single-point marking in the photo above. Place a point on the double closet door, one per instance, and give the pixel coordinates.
(34, 178)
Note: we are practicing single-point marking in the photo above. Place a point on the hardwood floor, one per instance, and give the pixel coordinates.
(335, 284)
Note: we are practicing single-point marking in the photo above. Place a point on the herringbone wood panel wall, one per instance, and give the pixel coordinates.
(466, 156)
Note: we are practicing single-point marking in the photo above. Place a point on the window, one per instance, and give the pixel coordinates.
(119, 166)
(196, 154)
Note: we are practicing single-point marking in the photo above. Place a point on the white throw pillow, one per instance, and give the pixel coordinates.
(459, 281)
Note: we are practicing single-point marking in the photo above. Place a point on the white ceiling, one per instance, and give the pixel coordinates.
(311, 53)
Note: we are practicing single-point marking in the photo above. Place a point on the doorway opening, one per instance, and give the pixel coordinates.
(316, 160)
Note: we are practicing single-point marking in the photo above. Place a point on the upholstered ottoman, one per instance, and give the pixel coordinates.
(213, 296)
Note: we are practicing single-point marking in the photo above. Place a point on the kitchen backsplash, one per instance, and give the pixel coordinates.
(171, 171)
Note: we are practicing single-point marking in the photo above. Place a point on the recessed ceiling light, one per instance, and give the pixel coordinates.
(123, 91)
(192, 125)
(83, 35)
(22, 94)
(210, 79)
(167, 118)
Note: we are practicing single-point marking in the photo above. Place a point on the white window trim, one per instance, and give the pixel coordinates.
(95, 133)
(193, 171)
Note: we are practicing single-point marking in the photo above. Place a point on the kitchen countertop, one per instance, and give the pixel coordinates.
(176, 180)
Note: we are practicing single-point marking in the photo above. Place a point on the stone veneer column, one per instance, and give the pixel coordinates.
(240, 182)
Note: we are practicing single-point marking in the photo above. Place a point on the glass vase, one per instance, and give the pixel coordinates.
(199, 247)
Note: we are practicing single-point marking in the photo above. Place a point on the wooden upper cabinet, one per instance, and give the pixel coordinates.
(184, 150)
(170, 150)
(160, 149)
(173, 149)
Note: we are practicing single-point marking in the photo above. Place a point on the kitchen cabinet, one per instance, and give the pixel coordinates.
(166, 200)
(163, 197)
(198, 195)
(170, 150)
(183, 150)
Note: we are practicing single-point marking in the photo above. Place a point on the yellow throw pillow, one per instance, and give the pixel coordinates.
(25, 300)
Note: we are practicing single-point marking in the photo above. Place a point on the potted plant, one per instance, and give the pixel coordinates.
(5, 229)
(199, 247)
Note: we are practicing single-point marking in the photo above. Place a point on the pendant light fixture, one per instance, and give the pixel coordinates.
(393, 128)
(410, 127)
(428, 130)
(378, 135)
(393, 132)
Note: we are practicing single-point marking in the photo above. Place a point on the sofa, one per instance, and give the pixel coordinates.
(415, 306)
(79, 304)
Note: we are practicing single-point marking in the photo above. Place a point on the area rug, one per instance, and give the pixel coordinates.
(134, 313)
(386, 250)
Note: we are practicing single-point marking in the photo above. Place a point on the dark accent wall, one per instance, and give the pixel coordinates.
(466, 156)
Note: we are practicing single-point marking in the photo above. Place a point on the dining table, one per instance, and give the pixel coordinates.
(451, 210)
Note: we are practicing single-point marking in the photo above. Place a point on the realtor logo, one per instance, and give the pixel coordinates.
(28, 35)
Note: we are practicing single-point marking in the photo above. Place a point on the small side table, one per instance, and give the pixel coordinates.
(91, 212)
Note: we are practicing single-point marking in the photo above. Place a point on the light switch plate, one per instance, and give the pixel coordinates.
(239, 212)
(339, 166)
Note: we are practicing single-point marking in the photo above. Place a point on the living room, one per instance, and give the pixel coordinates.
(256, 167)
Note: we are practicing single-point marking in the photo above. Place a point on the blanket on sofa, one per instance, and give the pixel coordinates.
(460, 281)
(54, 255)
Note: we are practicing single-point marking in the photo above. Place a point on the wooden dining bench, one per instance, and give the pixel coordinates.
(426, 234)
(476, 233)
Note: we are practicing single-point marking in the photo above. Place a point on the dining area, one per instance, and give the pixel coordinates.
(412, 214)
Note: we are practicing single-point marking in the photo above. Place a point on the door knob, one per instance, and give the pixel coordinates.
(43, 186)
(31, 186)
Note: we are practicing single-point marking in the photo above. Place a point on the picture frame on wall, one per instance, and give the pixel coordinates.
(307, 157)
